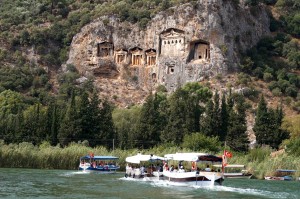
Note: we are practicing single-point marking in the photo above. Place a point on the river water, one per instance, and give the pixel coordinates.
(34, 183)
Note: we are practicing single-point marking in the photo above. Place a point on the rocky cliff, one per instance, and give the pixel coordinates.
(182, 44)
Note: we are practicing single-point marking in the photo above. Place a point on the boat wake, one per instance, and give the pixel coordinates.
(216, 188)
(73, 173)
(248, 191)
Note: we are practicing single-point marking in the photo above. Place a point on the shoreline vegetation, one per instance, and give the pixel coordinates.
(258, 161)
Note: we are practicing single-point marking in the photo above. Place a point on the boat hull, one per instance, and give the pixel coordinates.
(103, 169)
(286, 178)
(237, 175)
(194, 178)
(136, 174)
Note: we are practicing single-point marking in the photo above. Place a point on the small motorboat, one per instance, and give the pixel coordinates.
(235, 171)
(102, 164)
(282, 174)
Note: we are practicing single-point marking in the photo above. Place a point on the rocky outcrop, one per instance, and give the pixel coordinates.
(183, 44)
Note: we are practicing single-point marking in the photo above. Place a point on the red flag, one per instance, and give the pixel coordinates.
(91, 155)
(227, 154)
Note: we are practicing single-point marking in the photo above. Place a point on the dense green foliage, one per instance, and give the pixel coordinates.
(267, 126)
(180, 120)
(45, 156)
(276, 59)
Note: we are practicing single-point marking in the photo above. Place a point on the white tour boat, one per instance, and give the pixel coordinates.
(195, 176)
(235, 171)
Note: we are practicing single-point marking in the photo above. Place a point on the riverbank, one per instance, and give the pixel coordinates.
(25, 155)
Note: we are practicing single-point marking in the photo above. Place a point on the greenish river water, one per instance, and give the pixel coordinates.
(33, 183)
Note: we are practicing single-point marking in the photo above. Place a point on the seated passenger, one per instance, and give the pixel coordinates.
(172, 168)
(142, 169)
(175, 169)
(207, 168)
(165, 167)
(181, 169)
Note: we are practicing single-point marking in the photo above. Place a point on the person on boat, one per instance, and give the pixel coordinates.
(181, 169)
(158, 167)
(194, 168)
(207, 168)
(172, 168)
(165, 167)
(180, 164)
(175, 169)
(128, 170)
(142, 169)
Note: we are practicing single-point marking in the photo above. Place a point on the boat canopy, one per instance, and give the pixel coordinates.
(194, 157)
(99, 157)
(230, 166)
(137, 159)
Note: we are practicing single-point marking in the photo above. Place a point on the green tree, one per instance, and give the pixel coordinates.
(267, 126)
(149, 124)
(200, 142)
(69, 129)
(262, 120)
(175, 128)
(236, 136)
(207, 121)
(224, 119)
(107, 131)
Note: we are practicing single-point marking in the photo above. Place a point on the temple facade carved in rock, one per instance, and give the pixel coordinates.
(186, 45)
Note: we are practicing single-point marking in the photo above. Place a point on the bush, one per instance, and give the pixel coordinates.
(268, 77)
(291, 91)
(277, 92)
(200, 142)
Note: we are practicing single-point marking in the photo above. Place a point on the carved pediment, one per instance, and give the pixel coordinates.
(172, 33)
(136, 50)
(150, 52)
(121, 52)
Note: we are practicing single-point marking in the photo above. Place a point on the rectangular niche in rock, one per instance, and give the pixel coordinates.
(120, 56)
(172, 42)
(170, 67)
(104, 49)
(199, 50)
(136, 56)
(150, 57)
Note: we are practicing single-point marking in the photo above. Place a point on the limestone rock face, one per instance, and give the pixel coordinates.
(182, 44)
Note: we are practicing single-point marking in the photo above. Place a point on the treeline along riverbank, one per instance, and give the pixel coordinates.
(25, 155)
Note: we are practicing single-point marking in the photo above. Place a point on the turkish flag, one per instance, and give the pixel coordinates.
(227, 154)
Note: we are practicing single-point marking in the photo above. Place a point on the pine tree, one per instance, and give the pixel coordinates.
(54, 125)
(217, 115)
(224, 116)
(69, 129)
(236, 136)
(85, 121)
(149, 124)
(262, 127)
(279, 134)
(207, 121)
(175, 128)
(107, 130)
